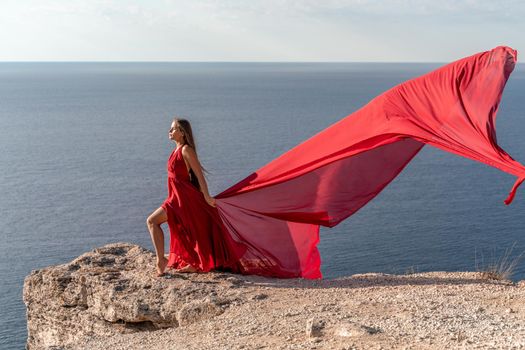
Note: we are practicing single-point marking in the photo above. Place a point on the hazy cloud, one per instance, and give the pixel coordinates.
(256, 30)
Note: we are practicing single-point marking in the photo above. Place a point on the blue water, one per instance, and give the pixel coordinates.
(83, 148)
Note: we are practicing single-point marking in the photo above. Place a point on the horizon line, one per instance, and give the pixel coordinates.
(225, 61)
(251, 62)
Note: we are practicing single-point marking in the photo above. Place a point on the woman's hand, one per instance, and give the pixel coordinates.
(210, 200)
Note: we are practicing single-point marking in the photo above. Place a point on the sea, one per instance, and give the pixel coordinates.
(83, 151)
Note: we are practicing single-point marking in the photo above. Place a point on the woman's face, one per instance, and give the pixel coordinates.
(175, 133)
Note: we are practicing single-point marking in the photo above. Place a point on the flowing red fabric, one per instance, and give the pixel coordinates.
(273, 216)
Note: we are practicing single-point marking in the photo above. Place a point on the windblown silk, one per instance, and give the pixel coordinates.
(276, 211)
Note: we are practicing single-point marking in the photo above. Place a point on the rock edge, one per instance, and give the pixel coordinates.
(110, 298)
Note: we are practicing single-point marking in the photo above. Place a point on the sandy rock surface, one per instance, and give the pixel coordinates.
(110, 299)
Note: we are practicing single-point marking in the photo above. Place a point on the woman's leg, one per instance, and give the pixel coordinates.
(157, 236)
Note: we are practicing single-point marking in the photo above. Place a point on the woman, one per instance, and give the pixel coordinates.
(197, 242)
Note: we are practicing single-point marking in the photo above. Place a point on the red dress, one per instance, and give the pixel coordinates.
(268, 223)
(197, 235)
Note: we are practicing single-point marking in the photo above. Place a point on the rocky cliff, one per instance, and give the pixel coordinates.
(110, 299)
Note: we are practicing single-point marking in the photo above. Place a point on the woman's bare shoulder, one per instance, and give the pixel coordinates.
(187, 150)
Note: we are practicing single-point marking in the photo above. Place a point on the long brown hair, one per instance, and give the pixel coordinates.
(185, 128)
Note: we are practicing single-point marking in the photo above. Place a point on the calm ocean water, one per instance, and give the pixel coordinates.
(83, 148)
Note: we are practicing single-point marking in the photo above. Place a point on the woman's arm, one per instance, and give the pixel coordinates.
(191, 157)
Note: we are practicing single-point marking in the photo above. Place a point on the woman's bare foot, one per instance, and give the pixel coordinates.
(187, 269)
(161, 266)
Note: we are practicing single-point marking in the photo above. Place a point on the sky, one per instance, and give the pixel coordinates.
(257, 30)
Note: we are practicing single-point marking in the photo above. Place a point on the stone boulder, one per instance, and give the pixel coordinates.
(113, 290)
